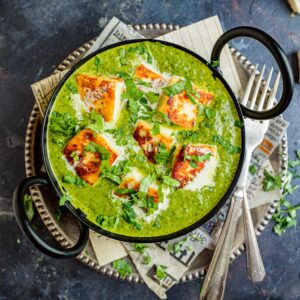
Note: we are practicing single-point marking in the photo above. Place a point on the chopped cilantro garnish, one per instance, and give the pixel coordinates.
(96, 121)
(215, 63)
(139, 247)
(174, 89)
(97, 63)
(129, 214)
(123, 267)
(107, 221)
(170, 181)
(271, 182)
(146, 182)
(194, 159)
(94, 147)
(176, 247)
(138, 81)
(146, 259)
(238, 123)
(28, 205)
(71, 88)
(63, 125)
(209, 112)
(252, 169)
(163, 155)
(120, 136)
(63, 199)
(115, 172)
(123, 191)
(152, 97)
(231, 149)
(161, 272)
(72, 179)
(155, 129)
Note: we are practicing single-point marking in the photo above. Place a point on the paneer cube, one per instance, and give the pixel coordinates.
(144, 72)
(102, 94)
(190, 161)
(179, 108)
(149, 142)
(86, 163)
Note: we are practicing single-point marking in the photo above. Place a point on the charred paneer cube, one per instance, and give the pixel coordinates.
(150, 142)
(145, 73)
(190, 160)
(101, 94)
(179, 108)
(85, 151)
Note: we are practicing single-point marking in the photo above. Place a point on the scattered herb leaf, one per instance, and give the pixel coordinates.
(123, 267)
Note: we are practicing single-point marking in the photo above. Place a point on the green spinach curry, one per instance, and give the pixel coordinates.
(143, 139)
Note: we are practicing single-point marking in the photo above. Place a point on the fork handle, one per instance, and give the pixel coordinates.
(215, 280)
(255, 267)
(280, 57)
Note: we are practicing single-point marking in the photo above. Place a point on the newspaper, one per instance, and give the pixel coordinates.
(173, 256)
(198, 37)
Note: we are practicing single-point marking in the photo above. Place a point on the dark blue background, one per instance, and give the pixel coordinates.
(34, 37)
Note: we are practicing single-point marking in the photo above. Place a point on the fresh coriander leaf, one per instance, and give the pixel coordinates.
(152, 97)
(115, 172)
(196, 158)
(107, 221)
(138, 81)
(96, 122)
(271, 182)
(129, 214)
(71, 88)
(123, 191)
(174, 89)
(28, 205)
(119, 135)
(146, 259)
(209, 112)
(123, 267)
(193, 164)
(215, 63)
(94, 147)
(72, 179)
(139, 247)
(63, 124)
(161, 272)
(170, 181)
(63, 199)
(146, 182)
(97, 63)
(155, 129)
(231, 149)
(252, 169)
(238, 123)
(121, 52)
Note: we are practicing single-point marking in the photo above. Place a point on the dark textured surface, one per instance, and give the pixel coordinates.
(36, 35)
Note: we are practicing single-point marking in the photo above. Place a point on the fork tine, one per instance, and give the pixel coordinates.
(249, 87)
(264, 92)
(273, 92)
(256, 90)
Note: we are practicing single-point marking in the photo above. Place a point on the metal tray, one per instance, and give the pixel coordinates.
(65, 230)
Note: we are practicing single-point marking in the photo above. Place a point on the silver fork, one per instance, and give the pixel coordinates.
(215, 280)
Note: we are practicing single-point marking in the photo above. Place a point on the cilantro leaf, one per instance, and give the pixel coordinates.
(231, 149)
(152, 97)
(238, 123)
(252, 169)
(107, 221)
(174, 89)
(29, 208)
(94, 147)
(96, 122)
(63, 199)
(271, 182)
(72, 179)
(71, 88)
(123, 267)
(97, 63)
(145, 183)
(170, 181)
(209, 112)
(161, 272)
(155, 129)
(139, 247)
